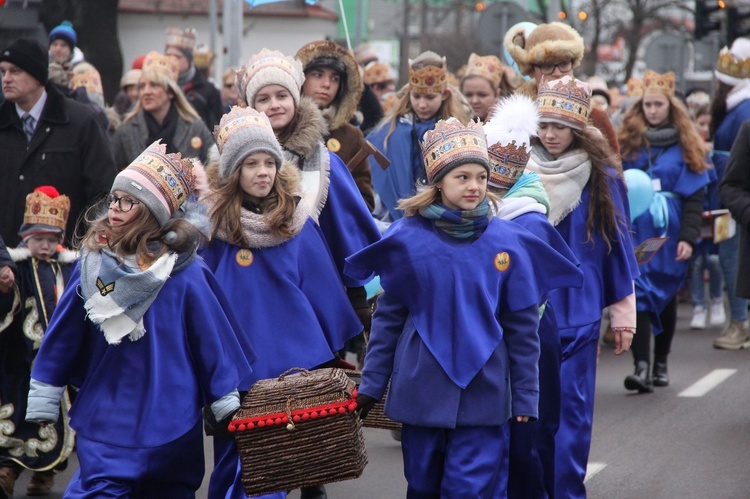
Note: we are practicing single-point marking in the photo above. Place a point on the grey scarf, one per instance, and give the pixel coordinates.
(663, 136)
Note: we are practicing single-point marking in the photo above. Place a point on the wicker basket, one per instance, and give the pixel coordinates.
(299, 430)
(376, 418)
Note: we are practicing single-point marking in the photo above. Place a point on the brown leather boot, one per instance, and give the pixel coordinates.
(7, 481)
(40, 483)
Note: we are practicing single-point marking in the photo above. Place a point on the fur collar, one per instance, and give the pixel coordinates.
(529, 89)
(22, 254)
(310, 129)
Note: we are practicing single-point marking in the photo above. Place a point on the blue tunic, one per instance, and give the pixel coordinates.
(407, 165)
(663, 275)
(456, 326)
(726, 133)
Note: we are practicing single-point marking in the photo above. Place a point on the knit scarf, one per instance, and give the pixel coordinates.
(117, 294)
(461, 224)
(563, 178)
(164, 130)
(662, 136)
(256, 228)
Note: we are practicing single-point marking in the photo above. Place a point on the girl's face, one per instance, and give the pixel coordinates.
(556, 138)
(703, 124)
(464, 187)
(278, 104)
(154, 97)
(43, 246)
(321, 85)
(123, 208)
(426, 106)
(257, 173)
(480, 94)
(656, 109)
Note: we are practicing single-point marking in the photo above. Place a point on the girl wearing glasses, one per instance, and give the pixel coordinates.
(147, 335)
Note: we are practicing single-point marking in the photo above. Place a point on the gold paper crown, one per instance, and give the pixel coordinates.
(165, 64)
(566, 101)
(451, 144)
(88, 79)
(507, 163)
(171, 175)
(655, 83)
(377, 72)
(236, 119)
(181, 38)
(487, 66)
(45, 206)
(203, 57)
(731, 65)
(428, 80)
(635, 87)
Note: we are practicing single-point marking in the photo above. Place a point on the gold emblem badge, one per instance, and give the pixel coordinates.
(104, 289)
(502, 261)
(244, 257)
(196, 142)
(333, 145)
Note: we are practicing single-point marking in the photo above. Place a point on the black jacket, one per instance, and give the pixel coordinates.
(69, 151)
(205, 99)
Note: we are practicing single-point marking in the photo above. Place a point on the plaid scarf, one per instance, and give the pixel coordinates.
(459, 223)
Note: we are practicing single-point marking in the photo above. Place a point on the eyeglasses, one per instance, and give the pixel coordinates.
(548, 69)
(125, 204)
(229, 85)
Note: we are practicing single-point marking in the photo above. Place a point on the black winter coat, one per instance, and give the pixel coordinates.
(205, 99)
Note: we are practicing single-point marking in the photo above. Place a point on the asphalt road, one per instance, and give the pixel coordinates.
(660, 445)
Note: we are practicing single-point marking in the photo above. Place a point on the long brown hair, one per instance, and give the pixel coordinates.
(718, 106)
(632, 134)
(278, 207)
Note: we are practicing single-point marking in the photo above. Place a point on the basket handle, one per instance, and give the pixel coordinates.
(304, 372)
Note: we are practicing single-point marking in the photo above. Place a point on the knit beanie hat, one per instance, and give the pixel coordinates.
(131, 77)
(451, 144)
(159, 180)
(46, 212)
(64, 32)
(269, 67)
(241, 132)
(734, 64)
(28, 55)
(182, 39)
(546, 43)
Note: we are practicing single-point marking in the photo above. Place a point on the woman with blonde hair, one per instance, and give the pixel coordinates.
(162, 112)
(658, 137)
(485, 81)
(427, 98)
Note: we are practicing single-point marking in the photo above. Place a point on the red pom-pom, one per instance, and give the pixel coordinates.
(48, 190)
(314, 415)
(269, 422)
(250, 426)
(296, 418)
(242, 427)
(305, 416)
(277, 421)
(285, 419)
(261, 423)
(232, 428)
(342, 410)
(324, 413)
(352, 406)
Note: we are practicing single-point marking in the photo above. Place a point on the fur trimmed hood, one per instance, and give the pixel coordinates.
(547, 42)
(309, 131)
(345, 105)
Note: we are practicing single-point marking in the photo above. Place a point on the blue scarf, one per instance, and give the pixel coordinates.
(459, 223)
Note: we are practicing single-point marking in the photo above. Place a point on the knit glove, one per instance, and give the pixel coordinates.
(365, 403)
(217, 429)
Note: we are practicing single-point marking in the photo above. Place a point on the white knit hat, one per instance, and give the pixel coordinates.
(269, 67)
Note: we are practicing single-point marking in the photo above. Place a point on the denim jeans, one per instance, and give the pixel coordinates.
(729, 258)
(705, 261)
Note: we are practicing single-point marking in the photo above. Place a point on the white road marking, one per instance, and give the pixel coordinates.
(707, 383)
(592, 469)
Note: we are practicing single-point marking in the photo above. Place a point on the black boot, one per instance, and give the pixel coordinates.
(641, 379)
(661, 378)
(313, 492)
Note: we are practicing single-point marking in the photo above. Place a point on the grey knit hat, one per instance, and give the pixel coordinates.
(241, 132)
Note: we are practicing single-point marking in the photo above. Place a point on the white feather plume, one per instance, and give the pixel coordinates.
(512, 118)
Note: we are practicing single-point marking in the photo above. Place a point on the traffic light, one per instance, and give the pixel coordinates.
(737, 24)
(703, 22)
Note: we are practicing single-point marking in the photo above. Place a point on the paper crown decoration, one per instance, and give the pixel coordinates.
(732, 66)
(45, 206)
(634, 87)
(451, 144)
(429, 79)
(181, 38)
(203, 57)
(89, 79)
(160, 63)
(487, 66)
(377, 72)
(159, 180)
(655, 83)
(365, 53)
(239, 118)
(513, 121)
(566, 101)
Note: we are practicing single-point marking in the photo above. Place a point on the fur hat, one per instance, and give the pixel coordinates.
(733, 65)
(161, 181)
(451, 144)
(28, 55)
(46, 212)
(64, 32)
(566, 101)
(269, 67)
(546, 43)
(244, 131)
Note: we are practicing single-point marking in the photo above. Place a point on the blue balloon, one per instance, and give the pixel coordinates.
(527, 27)
(640, 191)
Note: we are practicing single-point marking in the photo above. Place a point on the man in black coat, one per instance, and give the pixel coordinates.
(46, 139)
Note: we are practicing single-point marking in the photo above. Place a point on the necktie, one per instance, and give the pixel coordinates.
(29, 125)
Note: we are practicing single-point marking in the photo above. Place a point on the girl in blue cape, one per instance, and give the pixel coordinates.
(658, 137)
(588, 207)
(145, 332)
(456, 327)
(424, 100)
(272, 260)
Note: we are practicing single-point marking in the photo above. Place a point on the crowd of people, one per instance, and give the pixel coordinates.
(168, 251)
